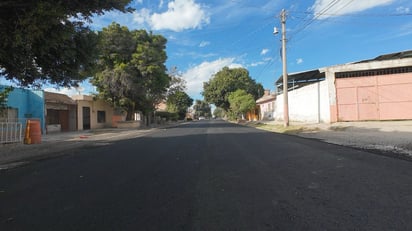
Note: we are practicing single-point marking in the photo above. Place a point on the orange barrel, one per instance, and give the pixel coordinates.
(35, 131)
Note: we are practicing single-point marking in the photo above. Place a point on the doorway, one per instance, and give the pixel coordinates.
(86, 118)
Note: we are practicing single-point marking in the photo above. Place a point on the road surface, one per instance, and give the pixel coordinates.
(209, 175)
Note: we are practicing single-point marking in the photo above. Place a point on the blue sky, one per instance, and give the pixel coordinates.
(204, 36)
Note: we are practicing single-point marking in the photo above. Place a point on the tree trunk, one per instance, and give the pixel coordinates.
(130, 112)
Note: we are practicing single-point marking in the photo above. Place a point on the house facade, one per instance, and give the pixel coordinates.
(266, 106)
(25, 104)
(375, 89)
(93, 113)
(61, 111)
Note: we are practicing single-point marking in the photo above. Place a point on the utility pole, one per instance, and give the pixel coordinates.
(285, 74)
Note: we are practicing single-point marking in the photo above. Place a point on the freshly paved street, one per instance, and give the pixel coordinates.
(209, 175)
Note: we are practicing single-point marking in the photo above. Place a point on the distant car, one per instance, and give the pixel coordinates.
(202, 118)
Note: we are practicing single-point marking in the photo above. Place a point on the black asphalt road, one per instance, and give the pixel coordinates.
(209, 175)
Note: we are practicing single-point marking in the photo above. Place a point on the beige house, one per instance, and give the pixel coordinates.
(93, 113)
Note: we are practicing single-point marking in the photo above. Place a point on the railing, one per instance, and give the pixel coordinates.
(11, 132)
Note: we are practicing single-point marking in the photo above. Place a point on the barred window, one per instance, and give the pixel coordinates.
(101, 117)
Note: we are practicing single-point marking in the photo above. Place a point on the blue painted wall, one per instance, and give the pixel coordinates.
(29, 103)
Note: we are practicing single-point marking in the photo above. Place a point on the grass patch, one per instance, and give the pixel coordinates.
(291, 129)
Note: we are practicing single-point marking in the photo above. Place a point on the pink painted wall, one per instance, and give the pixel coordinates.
(384, 97)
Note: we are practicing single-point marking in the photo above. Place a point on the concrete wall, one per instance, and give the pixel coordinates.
(29, 104)
(308, 104)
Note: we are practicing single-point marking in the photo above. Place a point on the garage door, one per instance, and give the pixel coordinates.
(383, 97)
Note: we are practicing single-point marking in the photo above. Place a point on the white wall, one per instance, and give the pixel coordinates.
(308, 104)
(267, 110)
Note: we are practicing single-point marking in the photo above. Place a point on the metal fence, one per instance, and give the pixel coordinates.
(11, 132)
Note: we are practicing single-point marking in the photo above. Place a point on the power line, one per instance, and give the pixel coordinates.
(365, 14)
(313, 19)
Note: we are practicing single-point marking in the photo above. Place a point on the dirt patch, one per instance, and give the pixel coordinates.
(338, 128)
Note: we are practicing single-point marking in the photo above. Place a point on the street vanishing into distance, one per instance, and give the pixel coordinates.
(209, 175)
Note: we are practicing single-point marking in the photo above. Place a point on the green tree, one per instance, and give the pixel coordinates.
(241, 102)
(179, 102)
(48, 41)
(4, 94)
(202, 108)
(149, 58)
(177, 83)
(226, 81)
(116, 79)
(131, 73)
(219, 112)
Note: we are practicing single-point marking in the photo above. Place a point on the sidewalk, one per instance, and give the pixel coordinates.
(56, 144)
(391, 137)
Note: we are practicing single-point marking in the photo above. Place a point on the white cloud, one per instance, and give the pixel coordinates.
(405, 30)
(299, 61)
(257, 64)
(403, 10)
(100, 21)
(323, 9)
(161, 4)
(66, 91)
(196, 75)
(264, 51)
(204, 43)
(180, 15)
(141, 16)
(84, 88)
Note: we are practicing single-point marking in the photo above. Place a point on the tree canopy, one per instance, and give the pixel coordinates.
(202, 108)
(219, 113)
(47, 40)
(177, 83)
(131, 71)
(4, 94)
(226, 81)
(241, 102)
(179, 102)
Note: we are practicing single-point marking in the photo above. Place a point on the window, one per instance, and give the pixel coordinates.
(385, 71)
(101, 117)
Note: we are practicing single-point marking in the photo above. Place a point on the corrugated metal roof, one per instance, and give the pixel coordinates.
(391, 56)
(303, 77)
